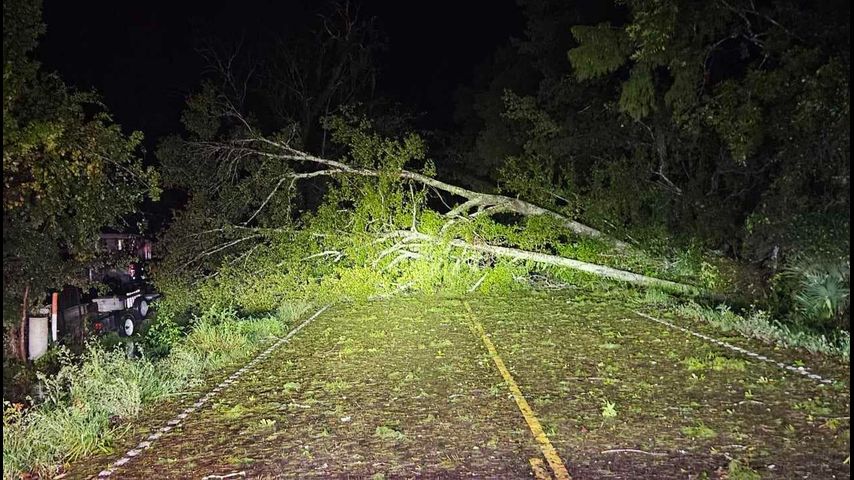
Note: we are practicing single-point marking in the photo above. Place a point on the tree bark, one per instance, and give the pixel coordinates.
(22, 335)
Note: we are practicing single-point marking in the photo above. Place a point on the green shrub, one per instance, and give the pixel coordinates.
(822, 295)
(160, 336)
(812, 293)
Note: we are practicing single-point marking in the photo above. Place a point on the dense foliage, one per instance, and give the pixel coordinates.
(726, 123)
(68, 169)
(734, 120)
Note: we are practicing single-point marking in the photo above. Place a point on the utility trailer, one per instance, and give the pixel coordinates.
(123, 311)
(123, 314)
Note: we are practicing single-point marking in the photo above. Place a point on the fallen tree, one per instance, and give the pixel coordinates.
(266, 220)
(473, 205)
(485, 203)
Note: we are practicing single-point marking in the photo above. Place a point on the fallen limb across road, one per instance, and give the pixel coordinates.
(470, 205)
(592, 268)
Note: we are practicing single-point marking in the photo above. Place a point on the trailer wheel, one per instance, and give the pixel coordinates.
(141, 306)
(129, 322)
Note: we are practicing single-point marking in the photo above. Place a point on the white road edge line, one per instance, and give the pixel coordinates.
(792, 368)
(201, 400)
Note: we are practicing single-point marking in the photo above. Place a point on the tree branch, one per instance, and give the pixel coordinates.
(514, 205)
(592, 268)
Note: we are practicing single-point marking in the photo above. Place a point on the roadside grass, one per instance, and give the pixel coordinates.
(754, 323)
(89, 401)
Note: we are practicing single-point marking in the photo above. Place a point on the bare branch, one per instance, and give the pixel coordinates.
(464, 207)
(405, 254)
(632, 450)
(477, 284)
(217, 249)
(266, 200)
(328, 253)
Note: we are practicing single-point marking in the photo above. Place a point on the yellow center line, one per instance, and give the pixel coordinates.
(540, 472)
(546, 446)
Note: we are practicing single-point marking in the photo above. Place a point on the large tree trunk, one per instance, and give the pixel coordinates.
(491, 203)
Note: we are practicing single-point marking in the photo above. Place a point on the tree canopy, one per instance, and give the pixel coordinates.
(723, 121)
(68, 169)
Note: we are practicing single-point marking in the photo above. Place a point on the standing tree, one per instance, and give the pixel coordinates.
(68, 171)
(723, 121)
(309, 76)
(761, 87)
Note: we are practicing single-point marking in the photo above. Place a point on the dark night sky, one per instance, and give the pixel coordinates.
(140, 55)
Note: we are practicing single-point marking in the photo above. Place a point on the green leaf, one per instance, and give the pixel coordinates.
(602, 49)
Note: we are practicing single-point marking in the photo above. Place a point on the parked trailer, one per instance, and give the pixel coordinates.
(122, 313)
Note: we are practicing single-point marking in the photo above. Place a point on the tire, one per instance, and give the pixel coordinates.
(141, 306)
(129, 323)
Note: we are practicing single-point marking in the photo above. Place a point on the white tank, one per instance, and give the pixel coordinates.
(38, 337)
